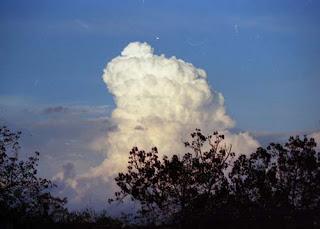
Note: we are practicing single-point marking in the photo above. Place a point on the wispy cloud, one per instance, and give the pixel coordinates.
(82, 23)
(56, 109)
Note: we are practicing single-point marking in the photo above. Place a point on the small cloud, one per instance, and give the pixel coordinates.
(82, 24)
(56, 109)
(196, 43)
(35, 83)
(93, 111)
(236, 28)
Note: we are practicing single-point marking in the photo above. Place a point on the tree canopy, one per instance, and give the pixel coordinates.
(24, 195)
(277, 185)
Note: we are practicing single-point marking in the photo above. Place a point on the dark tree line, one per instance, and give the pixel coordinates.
(277, 186)
(26, 200)
(274, 187)
(24, 195)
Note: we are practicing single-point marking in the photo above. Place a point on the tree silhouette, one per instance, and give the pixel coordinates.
(280, 182)
(180, 188)
(274, 187)
(277, 186)
(24, 195)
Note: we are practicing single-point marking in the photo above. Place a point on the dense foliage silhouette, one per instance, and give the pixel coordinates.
(278, 186)
(208, 186)
(171, 190)
(23, 195)
(26, 200)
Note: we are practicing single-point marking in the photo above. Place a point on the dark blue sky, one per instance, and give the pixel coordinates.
(263, 56)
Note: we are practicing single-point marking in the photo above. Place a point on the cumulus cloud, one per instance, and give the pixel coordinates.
(159, 101)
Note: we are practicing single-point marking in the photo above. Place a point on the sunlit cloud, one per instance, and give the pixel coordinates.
(159, 101)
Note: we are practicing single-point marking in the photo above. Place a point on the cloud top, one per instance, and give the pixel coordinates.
(159, 100)
(137, 49)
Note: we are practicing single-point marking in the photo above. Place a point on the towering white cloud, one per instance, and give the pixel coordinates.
(159, 101)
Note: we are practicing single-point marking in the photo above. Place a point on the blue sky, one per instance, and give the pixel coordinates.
(262, 55)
